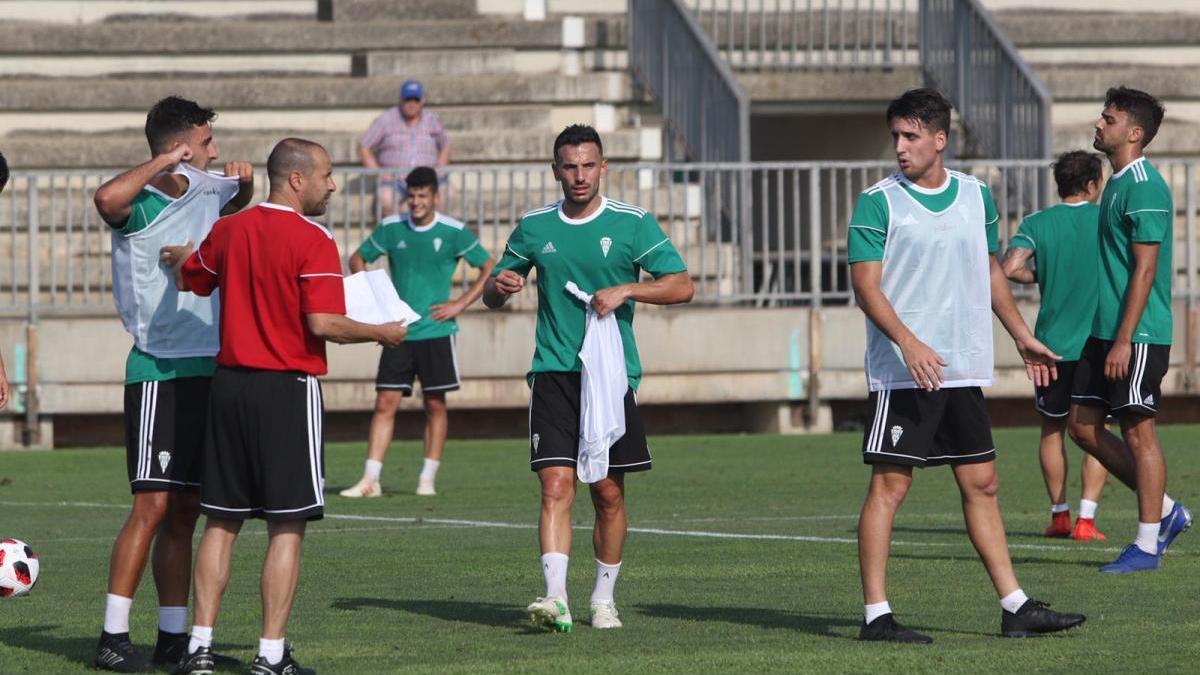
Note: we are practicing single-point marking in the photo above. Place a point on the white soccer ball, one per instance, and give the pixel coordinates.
(18, 568)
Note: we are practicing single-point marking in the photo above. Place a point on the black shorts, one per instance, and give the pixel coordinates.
(554, 426)
(164, 433)
(921, 428)
(434, 362)
(1138, 393)
(1054, 402)
(264, 454)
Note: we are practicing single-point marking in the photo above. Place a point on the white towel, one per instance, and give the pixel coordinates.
(602, 397)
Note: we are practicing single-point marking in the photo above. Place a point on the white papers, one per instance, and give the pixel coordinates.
(371, 298)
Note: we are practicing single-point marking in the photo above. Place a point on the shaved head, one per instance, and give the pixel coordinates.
(292, 154)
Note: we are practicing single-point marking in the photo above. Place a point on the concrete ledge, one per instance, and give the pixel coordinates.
(840, 86)
(390, 10)
(92, 11)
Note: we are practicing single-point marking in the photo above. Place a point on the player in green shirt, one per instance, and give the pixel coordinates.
(166, 399)
(423, 248)
(1123, 362)
(603, 246)
(1063, 246)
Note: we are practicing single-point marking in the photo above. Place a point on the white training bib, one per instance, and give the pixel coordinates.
(936, 276)
(163, 321)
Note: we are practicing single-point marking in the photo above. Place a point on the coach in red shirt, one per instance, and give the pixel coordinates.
(280, 278)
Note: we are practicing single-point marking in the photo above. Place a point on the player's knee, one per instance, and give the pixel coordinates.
(387, 404)
(986, 487)
(149, 509)
(1082, 433)
(184, 512)
(608, 499)
(557, 490)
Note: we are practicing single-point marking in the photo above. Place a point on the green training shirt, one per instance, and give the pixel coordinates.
(867, 234)
(422, 261)
(608, 248)
(1136, 209)
(1066, 251)
(140, 366)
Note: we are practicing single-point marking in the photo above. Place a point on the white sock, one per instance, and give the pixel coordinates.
(201, 637)
(1059, 508)
(372, 470)
(1168, 504)
(875, 610)
(429, 470)
(1014, 601)
(271, 650)
(606, 581)
(1147, 537)
(172, 619)
(116, 614)
(1087, 508)
(554, 568)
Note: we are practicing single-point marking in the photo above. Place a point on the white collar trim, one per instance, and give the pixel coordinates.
(924, 190)
(586, 219)
(281, 207)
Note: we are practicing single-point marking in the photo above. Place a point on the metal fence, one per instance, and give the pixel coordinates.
(1002, 105)
(794, 34)
(704, 108)
(762, 234)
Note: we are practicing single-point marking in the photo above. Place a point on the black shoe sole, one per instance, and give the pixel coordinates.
(1035, 634)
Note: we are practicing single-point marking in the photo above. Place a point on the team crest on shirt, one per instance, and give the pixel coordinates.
(897, 432)
(437, 243)
(605, 244)
(536, 439)
(164, 458)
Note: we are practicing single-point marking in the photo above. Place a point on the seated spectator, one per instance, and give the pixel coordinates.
(402, 138)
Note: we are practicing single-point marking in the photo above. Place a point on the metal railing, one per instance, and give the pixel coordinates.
(703, 106)
(1003, 107)
(805, 34)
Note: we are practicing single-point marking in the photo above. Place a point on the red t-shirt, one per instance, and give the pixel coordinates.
(273, 266)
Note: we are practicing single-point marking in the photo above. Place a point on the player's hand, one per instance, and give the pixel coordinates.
(173, 255)
(509, 282)
(1041, 364)
(924, 364)
(243, 170)
(446, 310)
(609, 299)
(392, 334)
(177, 154)
(1116, 364)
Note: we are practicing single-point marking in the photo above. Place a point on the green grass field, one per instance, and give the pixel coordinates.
(408, 584)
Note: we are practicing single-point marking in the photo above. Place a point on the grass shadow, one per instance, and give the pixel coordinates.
(1017, 559)
(481, 613)
(828, 626)
(82, 650)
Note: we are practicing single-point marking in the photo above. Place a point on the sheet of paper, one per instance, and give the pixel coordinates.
(371, 298)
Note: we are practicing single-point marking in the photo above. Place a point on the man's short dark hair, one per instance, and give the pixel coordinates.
(577, 134)
(422, 176)
(1074, 170)
(3, 172)
(288, 155)
(171, 117)
(927, 107)
(1145, 110)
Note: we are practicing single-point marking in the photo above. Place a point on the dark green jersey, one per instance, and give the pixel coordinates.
(422, 260)
(1066, 252)
(1136, 209)
(608, 248)
(140, 366)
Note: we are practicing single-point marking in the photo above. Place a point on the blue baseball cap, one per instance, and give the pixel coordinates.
(412, 89)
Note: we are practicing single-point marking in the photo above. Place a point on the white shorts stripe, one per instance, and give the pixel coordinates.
(141, 444)
(312, 439)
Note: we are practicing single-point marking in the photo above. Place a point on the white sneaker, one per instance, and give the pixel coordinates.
(604, 615)
(551, 613)
(363, 488)
(425, 488)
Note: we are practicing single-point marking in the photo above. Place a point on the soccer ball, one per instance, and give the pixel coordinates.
(18, 568)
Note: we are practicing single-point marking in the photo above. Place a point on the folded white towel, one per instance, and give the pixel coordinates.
(602, 398)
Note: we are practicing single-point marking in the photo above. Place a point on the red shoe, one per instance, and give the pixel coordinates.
(1060, 525)
(1085, 530)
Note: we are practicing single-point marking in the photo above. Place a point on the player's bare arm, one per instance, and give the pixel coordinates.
(114, 199)
(339, 329)
(498, 288)
(924, 364)
(1040, 362)
(669, 289)
(1137, 293)
(451, 309)
(245, 175)
(1016, 266)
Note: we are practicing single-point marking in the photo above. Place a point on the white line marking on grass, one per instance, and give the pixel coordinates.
(488, 524)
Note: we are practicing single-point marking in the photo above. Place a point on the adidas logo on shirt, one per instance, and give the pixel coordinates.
(402, 244)
(549, 248)
(908, 220)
